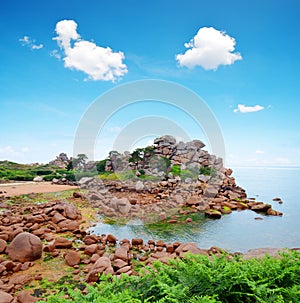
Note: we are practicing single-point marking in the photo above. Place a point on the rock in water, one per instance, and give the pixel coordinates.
(25, 247)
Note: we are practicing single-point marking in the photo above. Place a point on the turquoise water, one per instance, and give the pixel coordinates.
(238, 231)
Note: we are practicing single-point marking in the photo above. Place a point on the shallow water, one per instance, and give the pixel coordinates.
(238, 231)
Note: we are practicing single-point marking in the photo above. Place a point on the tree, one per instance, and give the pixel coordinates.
(77, 162)
(136, 156)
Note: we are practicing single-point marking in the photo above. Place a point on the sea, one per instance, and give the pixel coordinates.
(240, 230)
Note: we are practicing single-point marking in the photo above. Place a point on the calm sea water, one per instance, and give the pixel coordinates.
(238, 231)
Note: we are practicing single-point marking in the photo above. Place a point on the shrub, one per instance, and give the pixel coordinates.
(100, 165)
(21, 177)
(51, 177)
(199, 279)
(186, 173)
(207, 171)
(176, 170)
(42, 172)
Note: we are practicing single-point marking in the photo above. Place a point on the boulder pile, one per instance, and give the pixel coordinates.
(31, 233)
(211, 189)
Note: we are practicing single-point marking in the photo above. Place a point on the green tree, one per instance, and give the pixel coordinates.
(77, 162)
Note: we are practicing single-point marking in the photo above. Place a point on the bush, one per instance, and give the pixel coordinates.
(21, 177)
(207, 171)
(42, 172)
(101, 166)
(186, 173)
(176, 170)
(200, 279)
(51, 177)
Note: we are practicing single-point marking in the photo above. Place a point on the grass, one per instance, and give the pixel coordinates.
(197, 279)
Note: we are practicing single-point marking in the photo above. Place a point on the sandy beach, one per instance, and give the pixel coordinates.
(24, 188)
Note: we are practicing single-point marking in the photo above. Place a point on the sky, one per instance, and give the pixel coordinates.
(240, 57)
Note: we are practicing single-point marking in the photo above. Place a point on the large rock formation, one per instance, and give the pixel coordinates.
(184, 175)
(61, 161)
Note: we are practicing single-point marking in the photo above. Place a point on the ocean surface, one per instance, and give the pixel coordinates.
(238, 231)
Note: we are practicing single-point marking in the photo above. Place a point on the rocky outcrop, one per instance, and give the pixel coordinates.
(61, 161)
(189, 155)
(186, 176)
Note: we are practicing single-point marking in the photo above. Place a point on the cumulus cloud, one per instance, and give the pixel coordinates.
(31, 43)
(248, 109)
(99, 63)
(259, 152)
(210, 48)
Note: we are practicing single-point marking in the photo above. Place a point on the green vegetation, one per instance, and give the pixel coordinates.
(22, 172)
(176, 170)
(197, 279)
(100, 165)
(25, 172)
(207, 171)
(126, 175)
(141, 158)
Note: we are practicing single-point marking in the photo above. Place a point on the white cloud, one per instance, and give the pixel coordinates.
(248, 109)
(210, 48)
(54, 53)
(98, 62)
(259, 152)
(27, 41)
(25, 149)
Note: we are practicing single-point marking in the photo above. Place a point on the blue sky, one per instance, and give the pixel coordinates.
(251, 83)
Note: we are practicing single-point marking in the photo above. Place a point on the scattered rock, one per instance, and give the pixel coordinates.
(190, 247)
(5, 297)
(72, 258)
(62, 243)
(260, 207)
(2, 246)
(118, 263)
(25, 297)
(38, 179)
(102, 265)
(272, 212)
(91, 249)
(77, 195)
(121, 253)
(137, 241)
(139, 186)
(278, 200)
(111, 239)
(261, 252)
(214, 214)
(25, 247)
